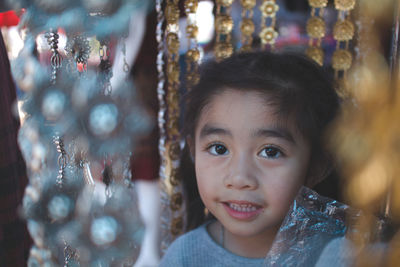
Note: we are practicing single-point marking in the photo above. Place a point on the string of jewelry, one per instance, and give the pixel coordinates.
(105, 66)
(62, 160)
(247, 25)
(268, 33)
(126, 66)
(223, 27)
(193, 54)
(56, 59)
(316, 29)
(173, 136)
(160, 88)
(343, 33)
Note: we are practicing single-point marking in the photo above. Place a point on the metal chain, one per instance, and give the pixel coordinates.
(56, 59)
(62, 160)
(105, 66)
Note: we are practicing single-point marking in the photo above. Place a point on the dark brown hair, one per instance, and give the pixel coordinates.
(300, 90)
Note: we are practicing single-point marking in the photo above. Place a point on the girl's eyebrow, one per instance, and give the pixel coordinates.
(275, 132)
(210, 129)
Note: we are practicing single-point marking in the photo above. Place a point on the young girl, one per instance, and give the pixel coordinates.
(253, 125)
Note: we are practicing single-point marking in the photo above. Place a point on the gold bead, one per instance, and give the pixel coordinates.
(247, 26)
(269, 9)
(268, 35)
(191, 6)
(173, 43)
(343, 30)
(318, 3)
(174, 177)
(345, 5)
(248, 4)
(193, 78)
(225, 3)
(316, 27)
(174, 149)
(316, 53)
(173, 130)
(224, 24)
(223, 50)
(173, 72)
(193, 55)
(171, 13)
(191, 31)
(176, 201)
(176, 226)
(246, 48)
(341, 59)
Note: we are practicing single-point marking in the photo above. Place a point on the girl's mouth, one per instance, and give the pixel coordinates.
(245, 211)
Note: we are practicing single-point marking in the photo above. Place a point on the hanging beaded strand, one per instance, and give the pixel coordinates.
(105, 66)
(172, 183)
(247, 25)
(62, 160)
(56, 59)
(343, 33)
(223, 28)
(162, 110)
(316, 30)
(193, 54)
(268, 34)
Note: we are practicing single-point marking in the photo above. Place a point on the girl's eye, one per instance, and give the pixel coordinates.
(218, 150)
(270, 152)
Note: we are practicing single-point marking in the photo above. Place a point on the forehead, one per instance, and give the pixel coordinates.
(234, 107)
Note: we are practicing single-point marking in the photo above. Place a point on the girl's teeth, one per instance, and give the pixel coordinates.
(242, 208)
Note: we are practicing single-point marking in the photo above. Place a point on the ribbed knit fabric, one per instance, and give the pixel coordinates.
(197, 249)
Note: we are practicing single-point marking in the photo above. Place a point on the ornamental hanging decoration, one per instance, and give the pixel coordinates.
(75, 119)
(316, 30)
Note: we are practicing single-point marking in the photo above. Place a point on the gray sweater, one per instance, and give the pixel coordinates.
(198, 249)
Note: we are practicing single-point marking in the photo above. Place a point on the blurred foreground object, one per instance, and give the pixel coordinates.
(366, 137)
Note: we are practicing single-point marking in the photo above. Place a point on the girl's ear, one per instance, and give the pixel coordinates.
(190, 143)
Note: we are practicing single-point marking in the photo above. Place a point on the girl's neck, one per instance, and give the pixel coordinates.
(249, 247)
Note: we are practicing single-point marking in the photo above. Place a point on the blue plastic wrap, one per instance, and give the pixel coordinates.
(312, 221)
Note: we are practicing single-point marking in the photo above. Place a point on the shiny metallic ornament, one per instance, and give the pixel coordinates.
(341, 60)
(176, 201)
(223, 50)
(247, 26)
(343, 30)
(110, 232)
(316, 53)
(193, 54)
(176, 226)
(225, 3)
(191, 31)
(345, 5)
(191, 6)
(173, 43)
(316, 27)
(248, 4)
(318, 3)
(78, 48)
(171, 13)
(269, 8)
(223, 24)
(268, 35)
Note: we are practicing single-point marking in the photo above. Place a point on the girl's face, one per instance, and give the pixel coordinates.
(248, 168)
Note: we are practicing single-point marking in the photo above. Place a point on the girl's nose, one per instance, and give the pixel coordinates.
(242, 174)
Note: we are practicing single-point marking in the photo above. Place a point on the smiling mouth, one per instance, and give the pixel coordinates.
(243, 210)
